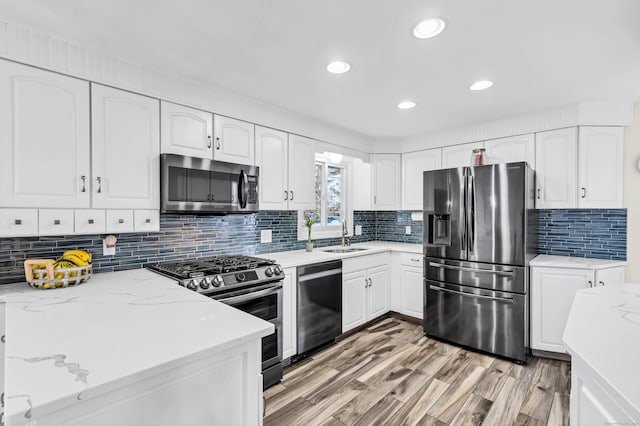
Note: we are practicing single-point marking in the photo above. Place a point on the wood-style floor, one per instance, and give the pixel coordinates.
(390, 373)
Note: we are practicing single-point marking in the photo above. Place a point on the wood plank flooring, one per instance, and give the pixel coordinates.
(391, 374)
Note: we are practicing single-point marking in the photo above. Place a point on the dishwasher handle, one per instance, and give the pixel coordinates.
(316, 275)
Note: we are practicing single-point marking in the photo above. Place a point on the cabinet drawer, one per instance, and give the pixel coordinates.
(90, 222)
(360, 263)
(119, 221)
(55, 222)
(146, 220)
(412, 259)
(18, 222)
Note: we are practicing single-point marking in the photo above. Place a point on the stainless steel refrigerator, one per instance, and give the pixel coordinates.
(479, 235)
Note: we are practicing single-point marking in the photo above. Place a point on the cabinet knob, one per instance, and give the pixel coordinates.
(18, 222)
(120, 220)
(91, 221)
(56, 222)
(147, 220)
(584, 192)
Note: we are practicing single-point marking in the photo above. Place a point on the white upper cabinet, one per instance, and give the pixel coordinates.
(126, 148)
(459, 155)
(512, 149)
(413, 166)
(600, 167)
(234, 140)
(272, 147)
(360, 186)
(186, 131)
(556, 175)
(386, 181)
(302, 157)
(44, 138)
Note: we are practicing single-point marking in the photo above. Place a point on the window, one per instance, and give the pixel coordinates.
(330, 199)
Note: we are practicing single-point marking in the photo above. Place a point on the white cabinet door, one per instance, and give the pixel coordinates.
(556, 169)
(186, 131)
(552, 294)
(289, 308)
(588, 410)
(378, 291)
(459, 155)
(18, 222)
(55, 222)
(413, 166)
(234, 140)
(44, 138)
(600, 167)
(511, 149)
(126, 148)
(386, 181)
(302, 157)
(90, 222)
(360, 184)
(354, 300)
(610, 276)
(412, 289)
(271, 156)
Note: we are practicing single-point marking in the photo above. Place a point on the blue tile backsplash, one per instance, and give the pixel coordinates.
(586, 233)
(596, 233)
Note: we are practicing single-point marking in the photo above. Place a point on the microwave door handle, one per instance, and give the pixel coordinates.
(243, 189)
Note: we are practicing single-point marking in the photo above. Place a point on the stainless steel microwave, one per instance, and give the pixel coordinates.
(191, 185)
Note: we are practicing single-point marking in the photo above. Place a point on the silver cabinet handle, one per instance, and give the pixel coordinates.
(601, 282)
(584, 192)
(291, 198)
(218, 142)
(147, 220)
(590, 283)
(18, 222)
(99, 180)
(286, 195)
(415, 260)
(120, 220)
(56, 222)
(375, 199)
(370, 282)
(366, 284)
(83, 180)
(209, 141)
(91, 221)
(538, 193)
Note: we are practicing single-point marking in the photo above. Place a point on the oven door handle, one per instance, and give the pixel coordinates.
(250, 296)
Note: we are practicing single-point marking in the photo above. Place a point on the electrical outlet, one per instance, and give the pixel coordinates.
(358, 229)
(265, 236)
(109, 245)
(407, 230)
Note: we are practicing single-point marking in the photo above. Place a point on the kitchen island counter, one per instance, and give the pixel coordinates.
(603, 337)
(78, 343)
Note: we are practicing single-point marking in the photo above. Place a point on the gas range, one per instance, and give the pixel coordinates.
(215, 274)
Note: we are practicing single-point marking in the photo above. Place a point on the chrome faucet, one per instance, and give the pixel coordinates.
(345, 231)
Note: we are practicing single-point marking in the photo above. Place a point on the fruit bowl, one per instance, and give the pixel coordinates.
(40, 273)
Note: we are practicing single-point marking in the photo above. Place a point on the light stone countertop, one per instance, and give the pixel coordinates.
(68, 344)
(288, 259)
(549, 261)
(603, 330)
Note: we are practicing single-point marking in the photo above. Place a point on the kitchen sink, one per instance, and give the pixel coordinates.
(344, 249)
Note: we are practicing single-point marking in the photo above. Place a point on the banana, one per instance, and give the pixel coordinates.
(83, 255)
(76, 260)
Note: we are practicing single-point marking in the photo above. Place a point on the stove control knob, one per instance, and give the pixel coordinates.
(191, 285)
(217, 281)
(277, 270)
(268, 272)
(204, 284)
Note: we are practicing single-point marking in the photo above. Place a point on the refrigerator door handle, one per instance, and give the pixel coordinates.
(478, 296)
(463, 234)
(472, 212)
(463, 268)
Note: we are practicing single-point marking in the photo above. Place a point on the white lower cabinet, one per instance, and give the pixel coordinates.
(552, 293)
(180, 395)
(365, 289)
(289, 312)
(406, 284)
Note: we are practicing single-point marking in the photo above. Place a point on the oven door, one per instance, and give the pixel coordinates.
(264, 302)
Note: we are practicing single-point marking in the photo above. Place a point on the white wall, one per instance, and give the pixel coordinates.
(632, 196)
(33, 47)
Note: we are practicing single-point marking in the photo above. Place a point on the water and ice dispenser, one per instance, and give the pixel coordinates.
(439, 229)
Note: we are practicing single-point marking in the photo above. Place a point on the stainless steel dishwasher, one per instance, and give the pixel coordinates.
(319, 305)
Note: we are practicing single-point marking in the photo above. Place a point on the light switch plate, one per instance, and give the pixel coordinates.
(358, 229)
(108, 250)
(407, 230)
(265, 236)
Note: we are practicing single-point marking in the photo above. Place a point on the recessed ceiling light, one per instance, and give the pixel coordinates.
(338, 67)
(429, 28)
(481, 85)
(406, 105)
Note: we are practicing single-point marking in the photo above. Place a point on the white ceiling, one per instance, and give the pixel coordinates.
(541, 54)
